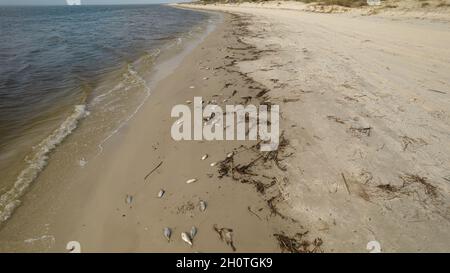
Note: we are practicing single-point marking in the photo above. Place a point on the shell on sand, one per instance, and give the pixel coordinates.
(213, 164)
(161, 193)
(202, 205)
(185, 237)
(167, 233)
(191, 181)
(193, 232)
(205, 157)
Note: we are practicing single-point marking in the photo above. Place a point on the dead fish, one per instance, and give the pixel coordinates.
(193, 232)
(225, 234)
(188, 102)
(191, 181)
(205, 157)
(167, 233)
(202, 205)
(129, 199)
(185, 237)
(230, 155)
(161, 193)
(213, 164)
(191, 87)
(205, 78)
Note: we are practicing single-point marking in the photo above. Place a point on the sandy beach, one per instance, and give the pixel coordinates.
(364, 153)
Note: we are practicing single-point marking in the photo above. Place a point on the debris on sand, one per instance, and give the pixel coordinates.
(286, 100)
(409, 179)
(273, 209)
(336, 119)
(387, 187)
(254, 213)
(415, 142)
(225, 166)
(192, 180)
(297, 244)
(226, 235)
(412, 185)
(167, 233)
(161, 193)
(259, 186)
(185, 238)
(361, 131)
(205, 157)
(345, 183)
(437, 91)
(154, 169)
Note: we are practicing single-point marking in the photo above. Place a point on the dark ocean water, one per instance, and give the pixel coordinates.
(55, 62)
(50, 53)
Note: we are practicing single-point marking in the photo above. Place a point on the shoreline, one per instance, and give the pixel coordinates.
(102, 186)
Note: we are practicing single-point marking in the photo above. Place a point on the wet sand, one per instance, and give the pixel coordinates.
(364, 101)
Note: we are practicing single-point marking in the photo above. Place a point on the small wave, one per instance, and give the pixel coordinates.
(135, 78)
(9, 201)
(129, 74)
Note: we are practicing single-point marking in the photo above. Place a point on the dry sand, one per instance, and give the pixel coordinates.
(365, 152)
(373, 97)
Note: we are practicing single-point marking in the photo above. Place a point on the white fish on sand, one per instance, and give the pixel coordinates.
(185, 237)
(205, 157)
(161, 193)
(191, 87)
(129, 199)
(167, 233)
(202, 205)
(213, 164)
(82, 162)
(193, 232)
(191, 181)
(188, 102)
(230, 155)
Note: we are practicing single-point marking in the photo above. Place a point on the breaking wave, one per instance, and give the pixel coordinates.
(36, 162)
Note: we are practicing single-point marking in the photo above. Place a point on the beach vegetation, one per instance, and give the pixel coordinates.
(344, 3)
